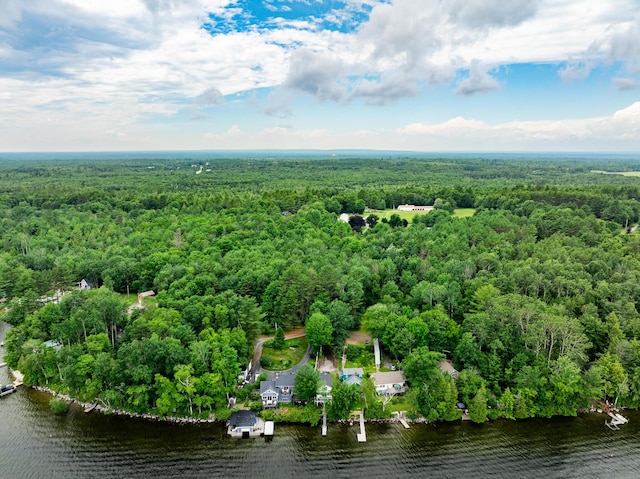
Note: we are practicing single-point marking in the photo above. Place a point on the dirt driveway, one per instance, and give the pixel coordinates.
(357, 337)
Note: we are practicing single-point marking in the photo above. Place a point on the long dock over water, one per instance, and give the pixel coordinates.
(362, 435)
(324, 421)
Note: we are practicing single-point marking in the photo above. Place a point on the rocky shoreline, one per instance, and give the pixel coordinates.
(191, 420)
(120, 412)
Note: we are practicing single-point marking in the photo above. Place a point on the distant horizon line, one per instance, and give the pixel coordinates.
(327, 151)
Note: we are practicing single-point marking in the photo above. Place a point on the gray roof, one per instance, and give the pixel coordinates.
(242, 418)
(327, 378)
(352, 372)
(266, 385)
(285, 379)
(353, 380)
(391, 377)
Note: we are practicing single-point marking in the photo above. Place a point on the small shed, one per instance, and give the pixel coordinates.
(85, 285)
(145, 294)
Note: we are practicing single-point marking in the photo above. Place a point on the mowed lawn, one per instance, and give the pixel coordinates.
(408, 215)
(623, 173)
(282, 359)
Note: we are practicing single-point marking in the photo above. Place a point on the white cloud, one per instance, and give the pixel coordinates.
(611, 132)
(625, 46)
(388, 89)
(492, 13)
(109, 65)
(625, 84)
(574, 71)
(477, 81)
(209, 97)
(11, 13)
(316, 74)
(617, 132)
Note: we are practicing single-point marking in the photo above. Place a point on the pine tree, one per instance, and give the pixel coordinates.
(478, 406)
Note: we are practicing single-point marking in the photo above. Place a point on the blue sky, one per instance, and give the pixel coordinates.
(423, 75)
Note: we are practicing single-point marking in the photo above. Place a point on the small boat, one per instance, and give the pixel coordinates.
(616, 420)
(7, 389)
(621, 419)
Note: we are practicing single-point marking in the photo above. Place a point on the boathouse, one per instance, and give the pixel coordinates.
(242, 423)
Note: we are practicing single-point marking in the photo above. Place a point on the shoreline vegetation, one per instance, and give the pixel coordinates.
(524, 277)
(194, 420)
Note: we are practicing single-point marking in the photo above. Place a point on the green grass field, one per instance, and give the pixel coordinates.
(129, 298)
(463, 212)
(287, 357)
(408, 215)
(623, 173)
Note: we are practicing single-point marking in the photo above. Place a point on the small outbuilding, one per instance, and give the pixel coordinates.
(85, 285)
(243, 424)
(145, 294)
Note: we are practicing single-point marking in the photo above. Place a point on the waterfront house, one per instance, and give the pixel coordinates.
(277, 391)
(392, 382)
(352, 375)
(244, 423)
(324, 391)
(269, 394)
(447, 367)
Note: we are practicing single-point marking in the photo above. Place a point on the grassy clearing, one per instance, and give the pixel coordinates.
(405, 215)
(281, 359)
(623, 173)
(463, 212)
(129, 298)
(397, 404)
(408, 215)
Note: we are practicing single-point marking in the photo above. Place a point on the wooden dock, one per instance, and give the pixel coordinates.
(19, 377)
(324, 422)
(404, 423)
(362, 435)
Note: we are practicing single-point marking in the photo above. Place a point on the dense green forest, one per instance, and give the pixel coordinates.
(535, 297)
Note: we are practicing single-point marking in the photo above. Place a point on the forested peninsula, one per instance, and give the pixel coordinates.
(525, 275)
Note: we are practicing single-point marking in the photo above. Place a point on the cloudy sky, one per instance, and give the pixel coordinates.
(426, 75)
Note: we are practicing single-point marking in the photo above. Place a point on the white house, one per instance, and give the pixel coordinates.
(392, 382)
(414, 208)
(324, 391)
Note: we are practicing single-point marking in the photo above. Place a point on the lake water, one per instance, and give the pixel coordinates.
(35, 443)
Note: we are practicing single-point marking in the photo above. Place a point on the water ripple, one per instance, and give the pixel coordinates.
(35, 443)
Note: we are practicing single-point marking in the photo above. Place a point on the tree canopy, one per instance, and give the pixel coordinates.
(533, 294)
